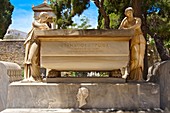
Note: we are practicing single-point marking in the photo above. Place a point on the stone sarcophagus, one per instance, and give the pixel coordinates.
(84, 50)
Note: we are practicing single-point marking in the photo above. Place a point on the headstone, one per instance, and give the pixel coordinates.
(4, 81)
(9, 72)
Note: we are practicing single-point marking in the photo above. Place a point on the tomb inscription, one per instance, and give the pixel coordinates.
(89, 48)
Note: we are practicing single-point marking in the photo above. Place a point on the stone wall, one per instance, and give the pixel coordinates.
(12, 50)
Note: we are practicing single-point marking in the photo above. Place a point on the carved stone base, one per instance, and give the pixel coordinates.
(119, 96)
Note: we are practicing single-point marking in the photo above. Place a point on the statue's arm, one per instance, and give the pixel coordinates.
(40, 25)
(122, 25)
(137, 25)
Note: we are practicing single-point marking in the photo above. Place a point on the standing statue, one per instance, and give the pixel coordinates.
(32, 53)
(137, 45)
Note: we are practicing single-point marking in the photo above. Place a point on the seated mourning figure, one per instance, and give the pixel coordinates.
(137, 45)
(32, 53)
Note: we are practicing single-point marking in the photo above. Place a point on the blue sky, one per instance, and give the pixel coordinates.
(22, 16)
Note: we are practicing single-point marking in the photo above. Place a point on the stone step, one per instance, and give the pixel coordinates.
(125, 96)
(79, 111)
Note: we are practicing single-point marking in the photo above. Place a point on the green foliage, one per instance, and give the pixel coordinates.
(100, 19)
(84, 24)
(115, 10)
(167, 44)
(66, 9)
(6, 9)
(151, 41)
(159, 22)
(114, 21)
(116, 6)
(86, 74)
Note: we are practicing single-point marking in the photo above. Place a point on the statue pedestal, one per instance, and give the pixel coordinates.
(119, 96)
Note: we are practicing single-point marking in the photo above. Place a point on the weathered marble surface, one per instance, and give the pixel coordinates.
(87, 32)
(84, 49)
(14, 71)
(104, 95)
(9, 72)
(160, 74)
(85, 80)
(4, 81)
(77, 111)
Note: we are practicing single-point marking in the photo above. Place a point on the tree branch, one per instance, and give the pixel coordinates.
(100, 5)
(97, 3)
(159, 46)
